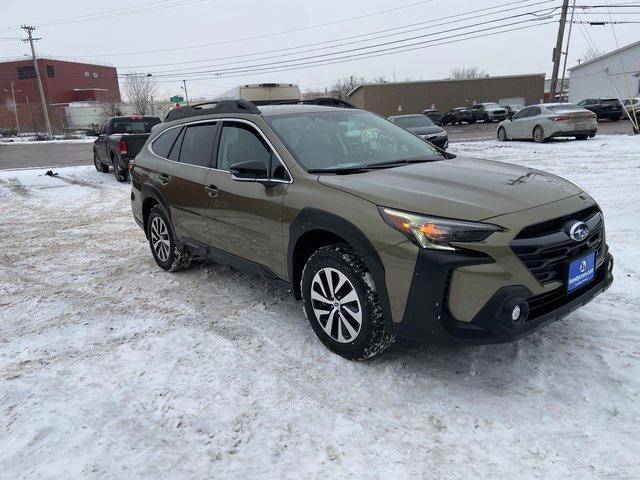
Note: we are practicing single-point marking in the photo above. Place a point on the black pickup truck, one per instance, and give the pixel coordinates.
(120, 139)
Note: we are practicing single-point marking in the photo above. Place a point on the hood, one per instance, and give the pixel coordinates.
(433, 129)
(495, 109)
(461, 188)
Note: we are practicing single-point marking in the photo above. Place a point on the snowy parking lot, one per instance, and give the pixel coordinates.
(112, 368)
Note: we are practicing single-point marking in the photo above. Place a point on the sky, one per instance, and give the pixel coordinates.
(234, 42)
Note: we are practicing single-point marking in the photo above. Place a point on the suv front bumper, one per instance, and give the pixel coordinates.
(427, 319)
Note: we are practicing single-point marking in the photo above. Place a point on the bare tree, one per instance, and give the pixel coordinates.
(592, 53)
(109, 109)
(344, 85)
(140, 90)
(465, 73)
(379, 79)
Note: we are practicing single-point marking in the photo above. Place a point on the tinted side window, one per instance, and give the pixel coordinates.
(162, 145)
(174, 154)
(240, 143)
(534, 111)
(197, 145)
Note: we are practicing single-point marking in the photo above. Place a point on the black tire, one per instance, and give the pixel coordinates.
(582, 137)
(372, 337)
(486, 118)
(121, 176)
(174, 258)
(538, 134)
(615, 119)
(470, 122)
(502, 134)
(100, 167)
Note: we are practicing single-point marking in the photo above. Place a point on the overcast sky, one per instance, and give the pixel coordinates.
(170, 24)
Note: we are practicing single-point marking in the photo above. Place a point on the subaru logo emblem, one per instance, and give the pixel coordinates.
(579, 231)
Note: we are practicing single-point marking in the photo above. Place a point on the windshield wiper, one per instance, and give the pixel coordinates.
(373, 166)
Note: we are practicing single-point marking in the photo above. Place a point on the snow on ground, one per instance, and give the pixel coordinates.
(30, 140)
(112, 368)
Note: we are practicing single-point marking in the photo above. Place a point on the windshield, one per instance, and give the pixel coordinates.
(413, 122)
(346, 140)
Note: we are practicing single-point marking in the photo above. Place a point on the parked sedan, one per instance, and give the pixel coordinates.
(423, 127)
(457, 115)
(632, 105)
(544, 121)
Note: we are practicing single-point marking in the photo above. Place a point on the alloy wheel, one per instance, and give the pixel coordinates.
(336, 305)
(160, 239)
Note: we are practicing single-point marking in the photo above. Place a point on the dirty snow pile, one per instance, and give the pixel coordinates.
(111, 368)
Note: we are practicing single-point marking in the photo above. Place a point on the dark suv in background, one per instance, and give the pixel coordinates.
(607, 108)
(379, 233)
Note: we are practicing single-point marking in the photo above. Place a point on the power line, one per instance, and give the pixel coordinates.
(383, 44)
(268, 35)
(430, 23)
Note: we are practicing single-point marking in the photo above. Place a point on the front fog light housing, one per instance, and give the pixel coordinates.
(436, 233)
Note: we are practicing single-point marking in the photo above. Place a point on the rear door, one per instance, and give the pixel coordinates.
(246, 217)
(182, 178)
(102, 145)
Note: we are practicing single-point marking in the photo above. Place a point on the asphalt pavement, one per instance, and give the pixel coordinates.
(53, 155)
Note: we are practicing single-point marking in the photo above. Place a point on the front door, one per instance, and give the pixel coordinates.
(245, 218)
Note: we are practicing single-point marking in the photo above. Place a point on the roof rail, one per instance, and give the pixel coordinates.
(322, 101)
(221, 106)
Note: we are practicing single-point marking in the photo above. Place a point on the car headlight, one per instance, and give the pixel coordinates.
(436, 233)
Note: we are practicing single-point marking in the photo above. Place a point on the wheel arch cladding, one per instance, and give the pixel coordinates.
(152, 197)
(314, 228)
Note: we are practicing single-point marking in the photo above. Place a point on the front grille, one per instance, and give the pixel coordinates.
(546, 254)
(556, 224)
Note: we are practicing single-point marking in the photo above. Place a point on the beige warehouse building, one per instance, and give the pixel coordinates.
(412, 97)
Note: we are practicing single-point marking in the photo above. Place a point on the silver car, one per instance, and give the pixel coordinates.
(548, 120)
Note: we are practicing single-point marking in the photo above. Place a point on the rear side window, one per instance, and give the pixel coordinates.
(162, 145)
(534, 111)
(197, 144)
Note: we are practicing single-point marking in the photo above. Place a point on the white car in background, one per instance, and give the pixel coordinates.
(549, 120)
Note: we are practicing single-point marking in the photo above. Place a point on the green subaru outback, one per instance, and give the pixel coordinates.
(380, 234)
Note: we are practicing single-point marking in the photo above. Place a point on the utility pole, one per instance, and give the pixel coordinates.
(186, 94)
(566, 52)
(29, 29)
(15, 105)
(557, 52)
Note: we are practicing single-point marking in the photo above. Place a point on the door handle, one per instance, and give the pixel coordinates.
(164, 178)
(212, 191)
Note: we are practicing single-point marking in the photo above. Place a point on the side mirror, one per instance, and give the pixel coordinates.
(250, 171)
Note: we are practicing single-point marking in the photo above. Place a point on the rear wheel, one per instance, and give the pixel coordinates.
(98, 164)
(502, 134)
(486, 118)
(582, 137)
(538, 134)
(615, 119)
(341, 303)
(167, 254)
(119, 174)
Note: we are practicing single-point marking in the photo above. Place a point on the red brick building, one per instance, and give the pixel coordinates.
(63, 82)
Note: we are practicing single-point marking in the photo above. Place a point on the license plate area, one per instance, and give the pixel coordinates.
(581, 271)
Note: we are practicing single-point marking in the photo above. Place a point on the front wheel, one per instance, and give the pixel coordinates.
(582, 137)
(538, 134)
(502, 134)
(342, 305)
(615, 119)
(486, 118)
(98, 164)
